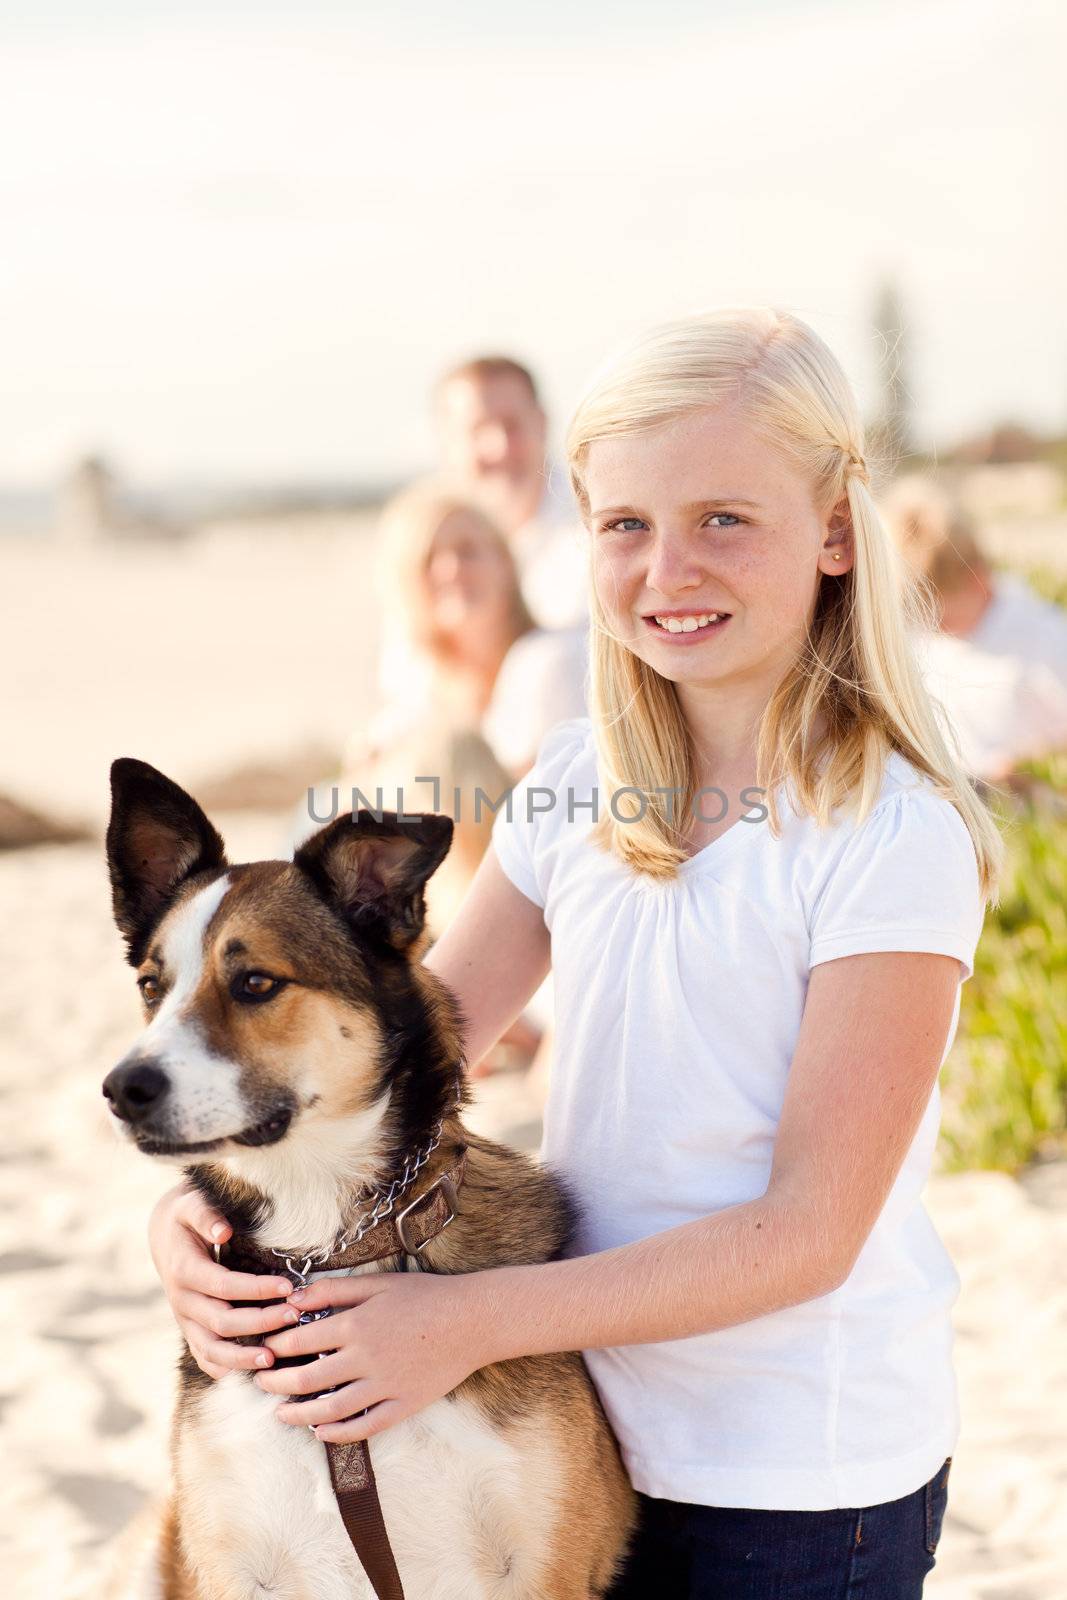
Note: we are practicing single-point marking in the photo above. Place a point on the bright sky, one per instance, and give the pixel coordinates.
(239, 240)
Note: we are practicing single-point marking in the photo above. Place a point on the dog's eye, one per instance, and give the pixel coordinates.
(149, 988)
(255, 986)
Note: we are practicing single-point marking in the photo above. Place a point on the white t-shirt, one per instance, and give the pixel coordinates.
(542, 681)
(677, 1012)
(1002, 709)
(552, 556)
(1018, 622)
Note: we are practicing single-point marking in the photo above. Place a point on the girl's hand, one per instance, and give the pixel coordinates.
(406, 1339)
(182, 1230)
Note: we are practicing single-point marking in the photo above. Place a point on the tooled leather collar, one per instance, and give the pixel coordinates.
(403, 1230)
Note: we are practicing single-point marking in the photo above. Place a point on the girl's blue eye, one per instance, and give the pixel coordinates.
(724, 519)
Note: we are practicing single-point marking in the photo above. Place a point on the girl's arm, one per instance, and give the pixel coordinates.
(494, 956)
(867, 1059)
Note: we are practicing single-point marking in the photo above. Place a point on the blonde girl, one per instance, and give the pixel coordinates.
(759, 885)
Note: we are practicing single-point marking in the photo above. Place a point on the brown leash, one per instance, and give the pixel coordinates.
(351, 1472)
(356, 1492)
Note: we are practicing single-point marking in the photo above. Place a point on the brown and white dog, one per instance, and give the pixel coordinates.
(294, 1048)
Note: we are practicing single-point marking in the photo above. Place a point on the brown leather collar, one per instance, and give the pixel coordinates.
(405, 1233)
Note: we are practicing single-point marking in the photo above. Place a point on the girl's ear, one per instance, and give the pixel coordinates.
(838, 546)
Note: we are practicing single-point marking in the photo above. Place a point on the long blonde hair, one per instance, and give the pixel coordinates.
(856, 671)
(410, 522)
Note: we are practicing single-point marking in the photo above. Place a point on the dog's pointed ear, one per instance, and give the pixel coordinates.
(375, 872)
(157, 837)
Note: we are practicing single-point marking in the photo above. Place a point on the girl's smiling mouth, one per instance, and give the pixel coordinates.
(685, 627)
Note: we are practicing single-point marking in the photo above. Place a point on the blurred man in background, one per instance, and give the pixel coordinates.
(493, 432)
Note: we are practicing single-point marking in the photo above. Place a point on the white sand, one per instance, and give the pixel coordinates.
(195, 659)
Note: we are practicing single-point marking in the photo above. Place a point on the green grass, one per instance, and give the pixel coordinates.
(1049, 583)
(1005, 1082)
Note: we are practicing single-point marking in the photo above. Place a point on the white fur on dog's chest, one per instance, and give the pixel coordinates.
(457, 1498)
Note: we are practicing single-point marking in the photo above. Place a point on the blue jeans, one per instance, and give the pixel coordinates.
(686, 1552)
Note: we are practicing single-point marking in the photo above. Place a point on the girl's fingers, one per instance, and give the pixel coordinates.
(329, 1333)
(336, 1407)
(202, 1218)
(231, 1322)
(221, 1354)
(317, 1375)
(378, 1418)
(207, 1277)
(209, 1368)
(338, 1291)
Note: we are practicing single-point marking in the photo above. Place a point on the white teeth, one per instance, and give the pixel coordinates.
(688, 624)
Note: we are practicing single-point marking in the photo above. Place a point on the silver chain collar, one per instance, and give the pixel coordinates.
(384, 1203)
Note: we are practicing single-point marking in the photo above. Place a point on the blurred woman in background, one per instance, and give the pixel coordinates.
(479, 689)
(451, 601)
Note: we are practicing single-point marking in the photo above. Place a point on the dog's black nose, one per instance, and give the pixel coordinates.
(135, 1090)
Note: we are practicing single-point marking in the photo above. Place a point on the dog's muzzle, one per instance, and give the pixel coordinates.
(136, 1090)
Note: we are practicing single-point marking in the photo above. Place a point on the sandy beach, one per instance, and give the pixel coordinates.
(247, 645)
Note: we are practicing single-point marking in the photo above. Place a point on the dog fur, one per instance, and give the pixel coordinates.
(281, 1105)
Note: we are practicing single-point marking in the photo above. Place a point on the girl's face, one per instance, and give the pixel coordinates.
(708, 548)
(469, 579)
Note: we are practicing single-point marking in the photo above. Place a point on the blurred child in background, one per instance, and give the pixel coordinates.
(997, 659)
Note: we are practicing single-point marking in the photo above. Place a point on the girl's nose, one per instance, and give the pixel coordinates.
(673, 565)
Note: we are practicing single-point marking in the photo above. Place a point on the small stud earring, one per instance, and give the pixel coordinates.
(837, 555)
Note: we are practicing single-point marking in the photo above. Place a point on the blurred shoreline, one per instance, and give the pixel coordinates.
(248, 641)
(239, 644)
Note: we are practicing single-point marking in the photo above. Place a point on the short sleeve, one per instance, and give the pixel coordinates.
(541, 682)
(518, 827)
(906, 880)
